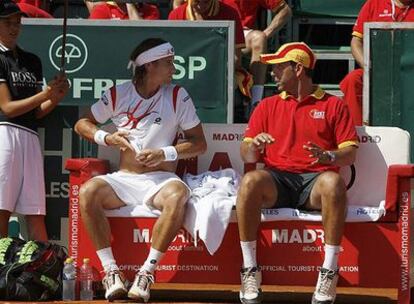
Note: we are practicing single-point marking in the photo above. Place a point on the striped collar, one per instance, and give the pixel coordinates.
(3, 48)
(319, 93)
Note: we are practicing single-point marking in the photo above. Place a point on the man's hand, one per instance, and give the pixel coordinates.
(260, 141)
(119, 139)
(322, 156)
(150, 157)
(134, 12)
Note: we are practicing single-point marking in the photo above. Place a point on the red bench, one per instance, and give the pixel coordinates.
(376, 254)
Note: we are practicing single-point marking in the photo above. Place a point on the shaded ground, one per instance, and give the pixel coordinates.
(228, 294)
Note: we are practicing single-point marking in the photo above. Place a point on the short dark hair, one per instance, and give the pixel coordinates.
(145, 45)
(308, 71)
(8, 8)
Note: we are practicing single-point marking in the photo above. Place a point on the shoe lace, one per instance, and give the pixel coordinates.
(325, 285)
(110, 277)
(249, 282)
(144, 280)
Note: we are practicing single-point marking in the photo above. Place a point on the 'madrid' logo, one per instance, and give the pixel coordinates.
(76, 53)
(305, 236)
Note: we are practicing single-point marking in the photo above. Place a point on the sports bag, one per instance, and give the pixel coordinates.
(30, 271)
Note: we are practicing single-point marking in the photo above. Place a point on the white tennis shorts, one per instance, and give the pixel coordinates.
(139, 189)
(22, 184)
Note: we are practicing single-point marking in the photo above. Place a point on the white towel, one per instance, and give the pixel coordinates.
(209, 208)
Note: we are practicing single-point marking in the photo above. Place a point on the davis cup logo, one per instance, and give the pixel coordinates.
(76, 53)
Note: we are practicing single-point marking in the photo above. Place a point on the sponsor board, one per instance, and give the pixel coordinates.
(183, 241)
(290, 257)
(94, 65)
(405, 240)
(174, 267)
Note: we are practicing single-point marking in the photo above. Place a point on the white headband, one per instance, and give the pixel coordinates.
(155, 53)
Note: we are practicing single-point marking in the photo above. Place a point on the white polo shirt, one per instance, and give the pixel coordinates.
(152, 122)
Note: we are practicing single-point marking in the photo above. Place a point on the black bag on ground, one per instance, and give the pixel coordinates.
(30, 271)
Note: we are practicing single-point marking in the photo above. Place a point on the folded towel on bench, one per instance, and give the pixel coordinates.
(209, 208)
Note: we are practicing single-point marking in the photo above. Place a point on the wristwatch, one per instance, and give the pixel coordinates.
(331, 156)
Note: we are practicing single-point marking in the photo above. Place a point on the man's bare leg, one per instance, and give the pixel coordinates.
(171, 200)
(329, 195)
(257, 190)
(95, 196)
(36, 227)
(257, 44)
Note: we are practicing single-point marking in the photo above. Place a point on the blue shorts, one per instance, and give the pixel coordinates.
(293, 188)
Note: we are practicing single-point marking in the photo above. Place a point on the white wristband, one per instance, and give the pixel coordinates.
(170, 153)
(99, 137)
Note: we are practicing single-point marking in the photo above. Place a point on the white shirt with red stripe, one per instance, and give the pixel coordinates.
(151, 123)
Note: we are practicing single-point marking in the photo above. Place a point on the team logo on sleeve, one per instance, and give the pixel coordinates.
(315, 114)
(186, 98)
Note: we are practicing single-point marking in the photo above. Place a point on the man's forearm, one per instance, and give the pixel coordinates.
(86, 129)
(194, 144)
(279, 20)
(345, 156)
(248, 152)
(357, 50)
(190, 148)
(133, 13)
(45, 108)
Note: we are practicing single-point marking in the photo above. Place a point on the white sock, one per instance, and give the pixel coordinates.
(331, 257)
(153, 258)
(257, 93)
(107, 259)
(249, 253)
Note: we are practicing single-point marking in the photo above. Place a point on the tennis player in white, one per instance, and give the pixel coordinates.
(147, 111)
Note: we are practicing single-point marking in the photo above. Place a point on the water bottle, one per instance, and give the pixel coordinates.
(69, 280)
(86, 281)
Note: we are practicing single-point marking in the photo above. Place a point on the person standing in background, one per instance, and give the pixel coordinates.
(22, 102)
